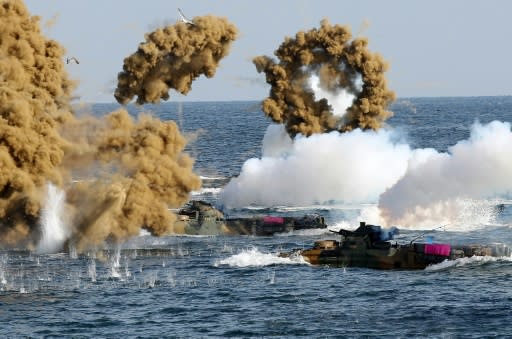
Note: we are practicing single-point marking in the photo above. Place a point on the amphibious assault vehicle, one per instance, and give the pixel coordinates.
(370, 246)
(201, 218)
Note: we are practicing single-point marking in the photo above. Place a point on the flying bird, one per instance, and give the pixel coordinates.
(72, 59)
(184, 18)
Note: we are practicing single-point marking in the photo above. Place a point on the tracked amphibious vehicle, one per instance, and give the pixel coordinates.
(370, 246)
(201, 218)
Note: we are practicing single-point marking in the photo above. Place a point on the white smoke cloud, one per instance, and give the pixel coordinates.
(276, 142)
(413, 188)
(441, 187)
(340, 100)
(324, 168)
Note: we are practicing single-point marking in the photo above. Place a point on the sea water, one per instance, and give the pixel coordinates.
(237, 286)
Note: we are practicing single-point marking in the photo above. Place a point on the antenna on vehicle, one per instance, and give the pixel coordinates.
(422, 234)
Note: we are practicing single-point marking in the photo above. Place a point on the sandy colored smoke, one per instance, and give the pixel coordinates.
(131, 169)
(173, 57)
(329, 53)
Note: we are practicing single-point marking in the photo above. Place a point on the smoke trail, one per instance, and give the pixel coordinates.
(340, 65)
(173, 57)
(437, 187)
(136, 167)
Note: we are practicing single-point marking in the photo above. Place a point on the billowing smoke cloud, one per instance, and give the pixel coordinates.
(399, 186)
(341, 65)
(173, 57)
(34, 92)
(135, 168)
(413, 188)
(353, 167)
(438, 186)
(151, 174)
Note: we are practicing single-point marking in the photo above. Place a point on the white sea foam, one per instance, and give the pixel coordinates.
(342, 225)
(254, 258)
(474, 260)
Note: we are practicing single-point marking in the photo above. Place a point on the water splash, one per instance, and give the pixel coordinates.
(272, 277)
(253, 257)
(72, 251)
(171, 278)
(127, 272)
(54, 231)
(3, 264)
(474, 260)
(115, 263)
(91, 270)
(227, 248)
(150, 280)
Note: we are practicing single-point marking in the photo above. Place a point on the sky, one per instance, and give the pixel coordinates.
(434, 48)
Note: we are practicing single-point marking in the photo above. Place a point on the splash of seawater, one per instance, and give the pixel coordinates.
(115, 263)
(54, 231)
(3, 264)
(92, 270)
(253, 257)
(474, 260)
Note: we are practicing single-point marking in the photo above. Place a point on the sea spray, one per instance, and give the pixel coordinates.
(3, 264)
(115, 263)
(469, 261)
(127, 272)
(91, 269)
(54, 231)
(272, 277)
(254, 258)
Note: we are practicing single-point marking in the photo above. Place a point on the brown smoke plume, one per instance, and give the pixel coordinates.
(338, 62)
(173, 57)
(34, 96)
(136, 167)
(151, 174)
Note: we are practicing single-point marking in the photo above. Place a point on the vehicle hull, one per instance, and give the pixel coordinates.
(364, 248)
